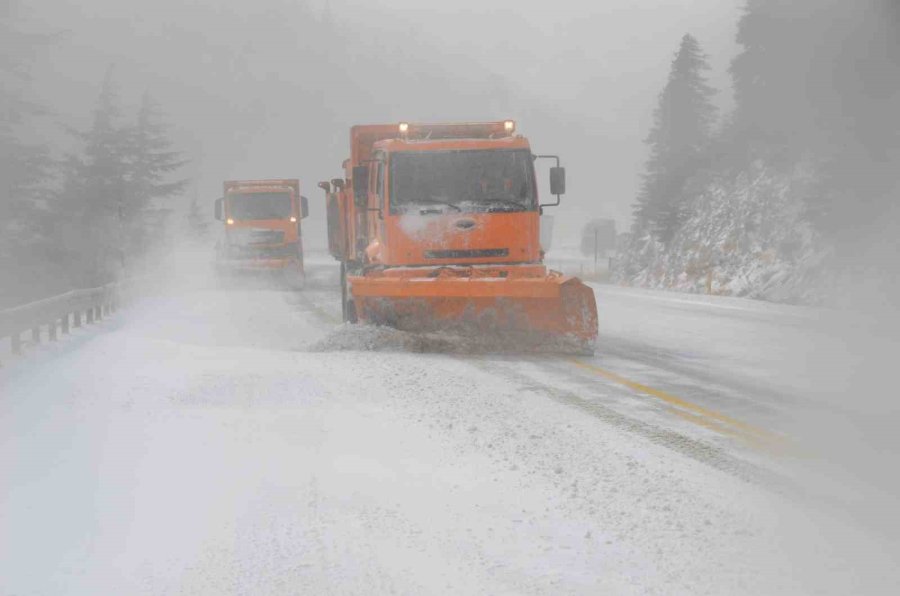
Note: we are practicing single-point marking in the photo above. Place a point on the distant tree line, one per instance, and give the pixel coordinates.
(817, 83)
(83, 218)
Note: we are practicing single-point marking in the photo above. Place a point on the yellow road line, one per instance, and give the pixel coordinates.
(774, 446)
(695, 413)
(707, 423)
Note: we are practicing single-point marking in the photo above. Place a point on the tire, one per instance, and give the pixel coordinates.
(295, 280)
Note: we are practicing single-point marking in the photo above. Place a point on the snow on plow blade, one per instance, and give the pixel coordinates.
(550, 309)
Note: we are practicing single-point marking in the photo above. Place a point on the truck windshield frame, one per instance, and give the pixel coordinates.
(465, 180)
(254, 206)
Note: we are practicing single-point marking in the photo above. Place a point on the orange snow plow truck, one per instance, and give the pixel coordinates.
(262, 229)
(437, 228)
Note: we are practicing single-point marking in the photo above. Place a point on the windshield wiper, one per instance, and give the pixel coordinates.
(502, 201)
(434, 202)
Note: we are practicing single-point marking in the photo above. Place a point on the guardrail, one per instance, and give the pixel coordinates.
(59, 314)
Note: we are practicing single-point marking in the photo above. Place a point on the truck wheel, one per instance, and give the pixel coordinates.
(296, 280)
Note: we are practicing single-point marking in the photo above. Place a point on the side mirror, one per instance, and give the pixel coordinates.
(338, 183)
(361, 185)
(557, 180)
(326, 186)
(219, 208)
(304, 207)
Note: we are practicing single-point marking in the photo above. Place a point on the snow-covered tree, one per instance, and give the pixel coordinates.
(817, 85)
(683, 121)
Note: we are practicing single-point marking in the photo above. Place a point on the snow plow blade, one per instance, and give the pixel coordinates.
(522, 309)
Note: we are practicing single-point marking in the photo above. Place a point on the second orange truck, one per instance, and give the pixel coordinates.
(262, 229)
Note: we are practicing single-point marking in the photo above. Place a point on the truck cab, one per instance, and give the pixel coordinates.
(435, 195)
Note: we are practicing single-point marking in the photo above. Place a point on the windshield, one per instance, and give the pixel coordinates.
(259, 205)
(465, 180)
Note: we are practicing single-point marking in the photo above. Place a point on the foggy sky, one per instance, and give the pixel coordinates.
(248, 99)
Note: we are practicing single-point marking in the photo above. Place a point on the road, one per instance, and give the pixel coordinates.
(242, 441)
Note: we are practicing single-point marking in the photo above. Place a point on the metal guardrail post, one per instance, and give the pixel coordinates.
(76, 319)
(65, 324)
(51, 330)
(36, 335)
(89, 315)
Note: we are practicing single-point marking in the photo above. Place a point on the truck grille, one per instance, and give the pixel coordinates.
(282, 251)
(268, 237)
(467, 254)
(250, 236)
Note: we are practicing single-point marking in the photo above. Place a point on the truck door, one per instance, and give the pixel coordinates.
(379, 198)
(376, 198)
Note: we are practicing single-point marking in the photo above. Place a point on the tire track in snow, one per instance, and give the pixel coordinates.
(754, 436)
(693, 377)
(695, 449)
(710, 455)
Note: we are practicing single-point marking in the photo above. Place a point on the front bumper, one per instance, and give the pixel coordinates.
(256, 265)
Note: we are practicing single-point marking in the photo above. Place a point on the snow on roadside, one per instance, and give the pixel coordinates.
(199, 448)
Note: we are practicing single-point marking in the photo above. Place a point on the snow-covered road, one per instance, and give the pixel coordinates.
(218, 442)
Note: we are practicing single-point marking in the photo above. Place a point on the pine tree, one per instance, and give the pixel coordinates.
(683, 122)
(152, 163)
(93, 202)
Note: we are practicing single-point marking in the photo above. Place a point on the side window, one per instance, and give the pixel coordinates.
(379, 184)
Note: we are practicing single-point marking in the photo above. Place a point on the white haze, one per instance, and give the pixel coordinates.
(257, 90)
(252, 95)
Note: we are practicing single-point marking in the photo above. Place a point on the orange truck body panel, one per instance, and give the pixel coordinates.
(281, 246)
(462, 270)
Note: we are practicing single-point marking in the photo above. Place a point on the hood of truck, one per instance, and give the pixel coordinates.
(459, 238)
